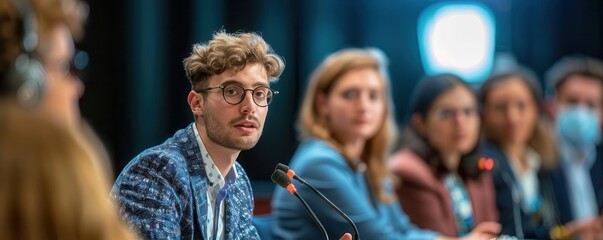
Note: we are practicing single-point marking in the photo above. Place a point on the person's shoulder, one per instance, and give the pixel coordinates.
(314, 152)
(158, 175)
(406, 161)
(161, 157)
(317, 150)
(404, 157)
(155, 166)
(411, 168)
(167, 161)
(174, 151)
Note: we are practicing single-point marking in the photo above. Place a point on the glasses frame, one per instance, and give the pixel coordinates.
(274, 93)
(464, 111)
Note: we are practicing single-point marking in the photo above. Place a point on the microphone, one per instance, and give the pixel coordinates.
(291, 174)
(281, 178)
(475, 164)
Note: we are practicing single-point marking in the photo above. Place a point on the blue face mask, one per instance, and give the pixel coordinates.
(578, 126)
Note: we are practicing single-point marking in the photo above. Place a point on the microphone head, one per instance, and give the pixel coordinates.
(282, 167)
(287, 170)
(476, 164)
(280, 178)
(485, 164)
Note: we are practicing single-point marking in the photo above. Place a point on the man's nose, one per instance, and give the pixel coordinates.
(248, 106)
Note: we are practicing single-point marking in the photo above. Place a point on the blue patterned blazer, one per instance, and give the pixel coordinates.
(162, 193)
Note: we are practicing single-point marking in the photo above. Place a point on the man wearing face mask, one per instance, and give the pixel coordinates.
(576, 87)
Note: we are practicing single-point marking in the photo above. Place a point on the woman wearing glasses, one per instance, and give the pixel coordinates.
(440, 189)
(347, 126)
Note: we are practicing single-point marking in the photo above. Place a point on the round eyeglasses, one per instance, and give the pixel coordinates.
(234, 94)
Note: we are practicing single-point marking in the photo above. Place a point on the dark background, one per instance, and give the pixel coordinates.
(136, 88)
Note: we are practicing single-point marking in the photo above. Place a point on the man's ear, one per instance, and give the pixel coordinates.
(195, 101)
(417, 122)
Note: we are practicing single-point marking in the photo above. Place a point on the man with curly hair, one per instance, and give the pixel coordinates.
(191, 186)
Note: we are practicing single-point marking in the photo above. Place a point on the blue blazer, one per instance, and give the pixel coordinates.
(559, 179)
(514, 220)
(162, 193)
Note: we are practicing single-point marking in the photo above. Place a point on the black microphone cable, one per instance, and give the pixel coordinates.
(281, 178)
(291, 174)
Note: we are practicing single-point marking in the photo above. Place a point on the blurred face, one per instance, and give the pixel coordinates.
(580, 90)
(510, 112)
(63, 90)
(355, 106)
(236, 127)
(452, 125)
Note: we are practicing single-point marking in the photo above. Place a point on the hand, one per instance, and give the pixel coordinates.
(346, 236)
(586, 229)
(485, 230)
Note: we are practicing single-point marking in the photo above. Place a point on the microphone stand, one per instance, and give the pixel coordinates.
(291, 174)
(281, 178)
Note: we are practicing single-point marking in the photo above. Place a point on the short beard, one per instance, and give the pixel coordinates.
(222, 138)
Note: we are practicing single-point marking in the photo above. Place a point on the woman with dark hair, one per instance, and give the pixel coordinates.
(442, 188)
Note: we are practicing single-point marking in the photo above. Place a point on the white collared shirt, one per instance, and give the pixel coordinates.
(216, 191)
(580, 191)
(528, 181)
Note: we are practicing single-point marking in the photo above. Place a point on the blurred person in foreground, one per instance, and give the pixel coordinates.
(346, 121)
(37, 62)
(42, 30)
(441, 185)
(51, 187)
(575, 91)
(54, 171)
